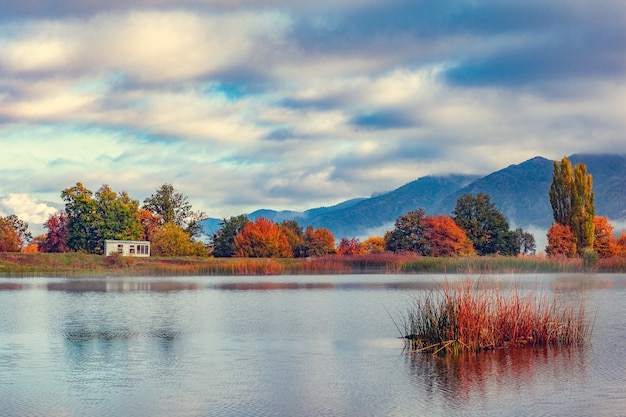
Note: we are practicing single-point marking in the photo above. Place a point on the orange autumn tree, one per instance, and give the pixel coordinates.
(262, 238)
(319, 241)
(561, 241)
(14, 234)
(604, 242)
(445, 237)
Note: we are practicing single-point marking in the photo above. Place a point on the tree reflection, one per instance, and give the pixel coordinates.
(121, 286)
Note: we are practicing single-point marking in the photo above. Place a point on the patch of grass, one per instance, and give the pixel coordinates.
(476, 316)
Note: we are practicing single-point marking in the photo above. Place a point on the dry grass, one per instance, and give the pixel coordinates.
(472, 317)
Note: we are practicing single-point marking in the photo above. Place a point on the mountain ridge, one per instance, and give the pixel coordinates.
(520, 191)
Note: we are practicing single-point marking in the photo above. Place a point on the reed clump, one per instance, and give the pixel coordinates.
(478, 316)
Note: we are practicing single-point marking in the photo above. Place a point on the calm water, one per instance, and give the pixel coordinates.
(284, 346)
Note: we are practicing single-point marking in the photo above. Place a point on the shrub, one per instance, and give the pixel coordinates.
(590, 259)
(464, 318)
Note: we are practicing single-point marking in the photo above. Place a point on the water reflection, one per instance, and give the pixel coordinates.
(277, 285)
(11, 286)
(294, 345)
(121, 286)
(480, 380)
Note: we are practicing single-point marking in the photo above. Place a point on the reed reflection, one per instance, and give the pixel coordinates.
(484, 377)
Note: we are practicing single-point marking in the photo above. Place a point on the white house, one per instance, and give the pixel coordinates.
(127, 247)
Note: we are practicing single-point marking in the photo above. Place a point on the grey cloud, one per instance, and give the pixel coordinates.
(351, 168)
(383, 119)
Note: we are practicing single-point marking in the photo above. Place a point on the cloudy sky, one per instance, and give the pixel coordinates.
(243, 104)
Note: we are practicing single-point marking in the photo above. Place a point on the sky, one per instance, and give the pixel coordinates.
(290, 105)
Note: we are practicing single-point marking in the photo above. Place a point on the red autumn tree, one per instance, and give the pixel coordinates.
(350, 247)
(319, 241)
(604, 242)
(56, 238)
(150, 223)
(262, 239)
(561, 241)
(445, 237)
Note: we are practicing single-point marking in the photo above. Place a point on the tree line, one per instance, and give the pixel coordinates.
(166, 219)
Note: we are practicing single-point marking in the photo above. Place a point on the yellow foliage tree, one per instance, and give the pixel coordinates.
(172, 240)
(374, 244)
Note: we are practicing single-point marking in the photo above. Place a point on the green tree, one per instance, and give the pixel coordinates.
(485, 225)
(408, 233)
(222, 240)
(583, 209)
(82, 215)
(14, 234)
(92, 219)
(525, 241)
(561, 192)
(118, 215)
(174, 207)
(572, 200)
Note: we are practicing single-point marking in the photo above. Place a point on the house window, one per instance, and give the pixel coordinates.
(120, 248)
(142, 249)
(132, 249)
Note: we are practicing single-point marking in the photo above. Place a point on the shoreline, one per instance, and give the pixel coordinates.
(88, 265)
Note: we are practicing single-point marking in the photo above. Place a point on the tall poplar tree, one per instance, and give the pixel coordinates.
(572, 201)
(583, 209)
(561, 191)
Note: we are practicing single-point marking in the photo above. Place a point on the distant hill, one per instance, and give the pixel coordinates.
(519, 191)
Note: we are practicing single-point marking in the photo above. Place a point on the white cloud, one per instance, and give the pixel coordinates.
(27, 208)
(149, 46)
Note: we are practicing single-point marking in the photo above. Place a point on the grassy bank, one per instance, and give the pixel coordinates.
(80, 264)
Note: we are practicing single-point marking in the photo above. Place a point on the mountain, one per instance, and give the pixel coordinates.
(381, 211)
(520, 191)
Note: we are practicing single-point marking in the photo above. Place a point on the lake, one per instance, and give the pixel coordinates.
(286, 346)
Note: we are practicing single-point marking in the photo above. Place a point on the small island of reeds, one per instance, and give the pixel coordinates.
(475, 316)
